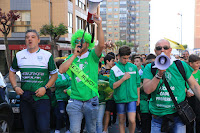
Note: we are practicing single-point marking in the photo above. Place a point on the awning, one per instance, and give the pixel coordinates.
(2, 47)
(64, 46)
(23, 46)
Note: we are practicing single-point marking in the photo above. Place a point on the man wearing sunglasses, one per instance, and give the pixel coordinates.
(84, 98)
(160, 105)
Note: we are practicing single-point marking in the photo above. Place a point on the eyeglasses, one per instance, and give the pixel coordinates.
(79, 41)
(160, 48)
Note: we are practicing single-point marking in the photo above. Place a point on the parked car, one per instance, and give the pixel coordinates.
(14, 100)
(6, 114)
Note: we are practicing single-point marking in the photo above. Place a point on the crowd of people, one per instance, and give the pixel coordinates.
(130, 90)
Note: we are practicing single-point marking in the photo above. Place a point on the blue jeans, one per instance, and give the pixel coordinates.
(122, 108)
(61, 115)
(100, 118)
(77, 109)
(177, 127)
(36, 115)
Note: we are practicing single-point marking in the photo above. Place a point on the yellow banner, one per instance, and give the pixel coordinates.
(175, 45)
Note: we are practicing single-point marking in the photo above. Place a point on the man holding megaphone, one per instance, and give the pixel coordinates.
(161, 105)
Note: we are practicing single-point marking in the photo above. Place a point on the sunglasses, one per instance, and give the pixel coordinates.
(160, 48)
(79, 41)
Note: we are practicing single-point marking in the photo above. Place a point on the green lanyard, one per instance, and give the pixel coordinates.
(83, 77)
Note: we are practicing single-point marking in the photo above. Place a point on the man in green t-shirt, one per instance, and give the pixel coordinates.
(84, 98)
(36, 66)
(161, 106)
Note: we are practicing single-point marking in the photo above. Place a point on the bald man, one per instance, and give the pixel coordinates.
(161, 106)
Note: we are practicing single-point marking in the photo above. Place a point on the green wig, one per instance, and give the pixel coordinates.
(79, 34)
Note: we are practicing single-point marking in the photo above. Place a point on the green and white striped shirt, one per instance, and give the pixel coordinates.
(35, 69)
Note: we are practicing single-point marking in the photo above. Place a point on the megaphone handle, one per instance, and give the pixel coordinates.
(92, 40)
(87, 25)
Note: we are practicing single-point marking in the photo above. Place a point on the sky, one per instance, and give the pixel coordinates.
(165, 21)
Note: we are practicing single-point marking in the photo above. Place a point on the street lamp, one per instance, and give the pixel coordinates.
(181, 26)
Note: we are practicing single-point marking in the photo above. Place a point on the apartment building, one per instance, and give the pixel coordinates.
(34, 14)
(127, 20)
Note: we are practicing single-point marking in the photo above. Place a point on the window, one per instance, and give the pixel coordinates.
(116, 35)
(70, 24)
(122, 2)
(110, 35)
(103, 17)
(23, 23)
(122, 28)
(109, 22)
(103, 22)
(122, 35)
(80, 23)
(122, 21)
(132, 30)
(110, 3)
(116, 3)
(116, 9)
(123, 16)
(103, 3)
(81, 4)
(123, 10)
(109, 29)
(115, 22)
(109, 9)
(115, 16)
(102, 10)
(109, 16)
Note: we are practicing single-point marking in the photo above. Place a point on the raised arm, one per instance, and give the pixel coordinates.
(150, 86)
(65, 66)
(100, 35)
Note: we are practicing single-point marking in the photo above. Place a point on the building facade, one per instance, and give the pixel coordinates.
(36, 13)
(197, 25)
(127, 20)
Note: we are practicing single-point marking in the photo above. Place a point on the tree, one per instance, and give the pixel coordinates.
(55, 33)
(118, 44)
(185, 46)
(130, 44)
(7, 21)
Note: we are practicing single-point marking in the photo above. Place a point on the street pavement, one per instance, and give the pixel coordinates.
(114, 128)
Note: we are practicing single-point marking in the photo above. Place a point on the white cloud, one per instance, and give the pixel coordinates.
(165, 21)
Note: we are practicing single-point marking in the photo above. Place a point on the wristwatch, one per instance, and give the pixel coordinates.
(158, 76)
(46, 87)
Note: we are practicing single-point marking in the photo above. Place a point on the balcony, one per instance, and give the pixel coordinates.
(130, 27)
